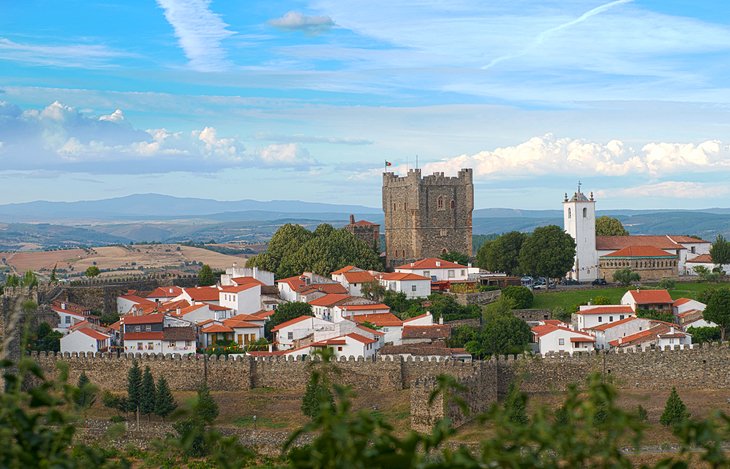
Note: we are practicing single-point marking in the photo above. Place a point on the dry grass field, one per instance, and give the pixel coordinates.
(112, 260)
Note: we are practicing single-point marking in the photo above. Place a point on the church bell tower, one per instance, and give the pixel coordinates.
(579, 221)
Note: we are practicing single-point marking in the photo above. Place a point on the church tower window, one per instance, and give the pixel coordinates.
(440, 203)
(570, 212)
(585, 212)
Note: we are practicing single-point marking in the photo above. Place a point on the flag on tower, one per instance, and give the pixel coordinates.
(388, 163)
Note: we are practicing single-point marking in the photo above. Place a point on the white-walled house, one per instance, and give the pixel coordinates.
(413, 285)
(127, 301)
(203, 312)
(307, 287)
(85, 339)
(387, 323)
(349, 345)
(157, 333)
(589, 316)
(658, 300)
(554, 338)
(66, 317)
(425, 319)
(243, 329)
(289, 333)
(436, 269)
(347, 311)
(703, 260)
(235, 274)
(242, 299)
(682, 305)
(323, 307)
(661, 334)
(163, 294)
(352, 278)
(196, 295)
(607, 333)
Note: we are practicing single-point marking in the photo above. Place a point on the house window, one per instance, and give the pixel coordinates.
(463, 272)
(137, 328)
(621, 317)
(188, 343)
(139, 345)
(150, 345)
(148, 327)
(68, 319)
(600, 318)
(413, 288)
(170, 343)
(561, 341)
(339, 349)
(610, 319)
(692, 249)
(426, 273)
(451, 274)
(290, 335)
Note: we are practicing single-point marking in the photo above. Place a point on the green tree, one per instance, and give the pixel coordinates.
(206, 408)
(515, 405)
(656, 315)
(720, 251)
(147, 393)
(446, 307)
(547, 252)
(461, 335)
(86, 392)
(707, 275)
(53, 278)
(625, 277)
(134, 387)
(373, 291)
(316, 396)
(522, 297)
(29, 279)
(92, 271)
(46, 339)
(206, 277)
(287, 239)
(327, 253)
(704, 334)
(601, 300)
(675, 412)
(502, 254)
(164, 401)
(12, 281)
(113, 401)
(718, 310)
(502, 332)
(458, 257)
(667, 283)
(609, 226)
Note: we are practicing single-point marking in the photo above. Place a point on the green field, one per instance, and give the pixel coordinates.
(570, 299)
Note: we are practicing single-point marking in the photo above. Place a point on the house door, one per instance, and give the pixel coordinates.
(239, 339)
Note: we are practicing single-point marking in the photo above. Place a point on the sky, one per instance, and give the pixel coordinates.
(307, 99)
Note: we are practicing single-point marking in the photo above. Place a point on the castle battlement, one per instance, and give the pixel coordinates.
(464, 176)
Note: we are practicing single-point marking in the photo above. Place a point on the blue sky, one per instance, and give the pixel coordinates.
(307, 99)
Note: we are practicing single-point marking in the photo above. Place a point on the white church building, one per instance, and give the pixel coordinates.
(579, 220)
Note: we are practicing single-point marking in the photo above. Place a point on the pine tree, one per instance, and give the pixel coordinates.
(315, 396)
(86, 395)
(53, 278)
(164, 402)
(675, 412)
(147, 395)
(516, 405)
(206, 408)
(134, 387)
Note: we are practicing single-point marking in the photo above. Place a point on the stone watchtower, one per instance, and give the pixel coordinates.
(427, 217)
(365, 231)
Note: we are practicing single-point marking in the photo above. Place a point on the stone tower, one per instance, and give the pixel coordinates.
(579, 221)
(365, 231)
(427, 217)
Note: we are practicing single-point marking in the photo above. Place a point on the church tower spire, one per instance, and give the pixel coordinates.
(579, 221)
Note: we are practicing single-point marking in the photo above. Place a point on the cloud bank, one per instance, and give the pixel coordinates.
(565, 156)
(59, 137)
(296, 21)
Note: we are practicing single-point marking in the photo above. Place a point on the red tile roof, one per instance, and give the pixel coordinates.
(614, 243)
(400, 276)
(93, 334)
(165, 292)
(371, 331)
(240, 288)
(364, 223)
(687, 239)
(203, 293)
(609, 325)
(69, 312)
(143, 336)
(138, 299)
(420, 316)
(115, 326)
(681, 301)
(640, 251)
(190, 309)
(361, 338)
(146, 319)
(367, 307)
(333, 341)
(246, 317)
(642, 336)
(290, 322)
(545, 329)
(246, 280)
(330, 299)
(358, 277)
(582, 339)
(347, 268)
(646, 297)
(607, 309)
(701, 259)
(436, 331)
(380, 320)
(431, 263)
(264, 313)
(216, 328)
(323, 287)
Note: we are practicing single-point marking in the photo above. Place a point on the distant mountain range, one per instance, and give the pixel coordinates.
(161, 218)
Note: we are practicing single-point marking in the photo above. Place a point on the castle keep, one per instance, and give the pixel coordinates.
(427, 217)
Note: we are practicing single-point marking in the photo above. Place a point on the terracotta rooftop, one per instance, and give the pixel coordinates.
(358, 277)
(641, 251)
(607, 309)
(216, 328)
(93, 334)
(165, 292)
(687, 239)
(647, 297)
(241, 287)
(129, 336)
(347, 268)
(609, 325)
(203, 293)
(146, 319)
(330, 299)
(545, 329)
(291, 322)
(614, 243)
(366, 307)
(436, 331)
(701, 259)
(380, 320)
(641, 337)
(400, 276)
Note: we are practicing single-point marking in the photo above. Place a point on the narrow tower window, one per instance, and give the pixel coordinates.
(440, 203)
(453, 204)
(570, 212)
(585, 212)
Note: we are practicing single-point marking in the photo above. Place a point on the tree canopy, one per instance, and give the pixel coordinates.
(718, 309)
(610, 226)
(287, 311)
(626, 277)
(293, 249)
(547, 252)
(720, 250)
(206, 277)
(458, 257)
(521, 296)
(92, 271)
(502, 254)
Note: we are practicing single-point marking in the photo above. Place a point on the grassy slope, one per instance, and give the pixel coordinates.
(570, 299)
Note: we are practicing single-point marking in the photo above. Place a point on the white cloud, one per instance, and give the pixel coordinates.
(68, 55)
(296, 21)
(199, 32)
(59, 137)
(669, 189)
(564, 156)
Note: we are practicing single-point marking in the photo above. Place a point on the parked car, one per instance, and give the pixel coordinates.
(569, 281)
(599, 281)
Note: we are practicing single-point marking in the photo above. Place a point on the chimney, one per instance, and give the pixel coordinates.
(441, 319)
(63, 305)
(271, 347)
(352, 219)
(438, 263)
